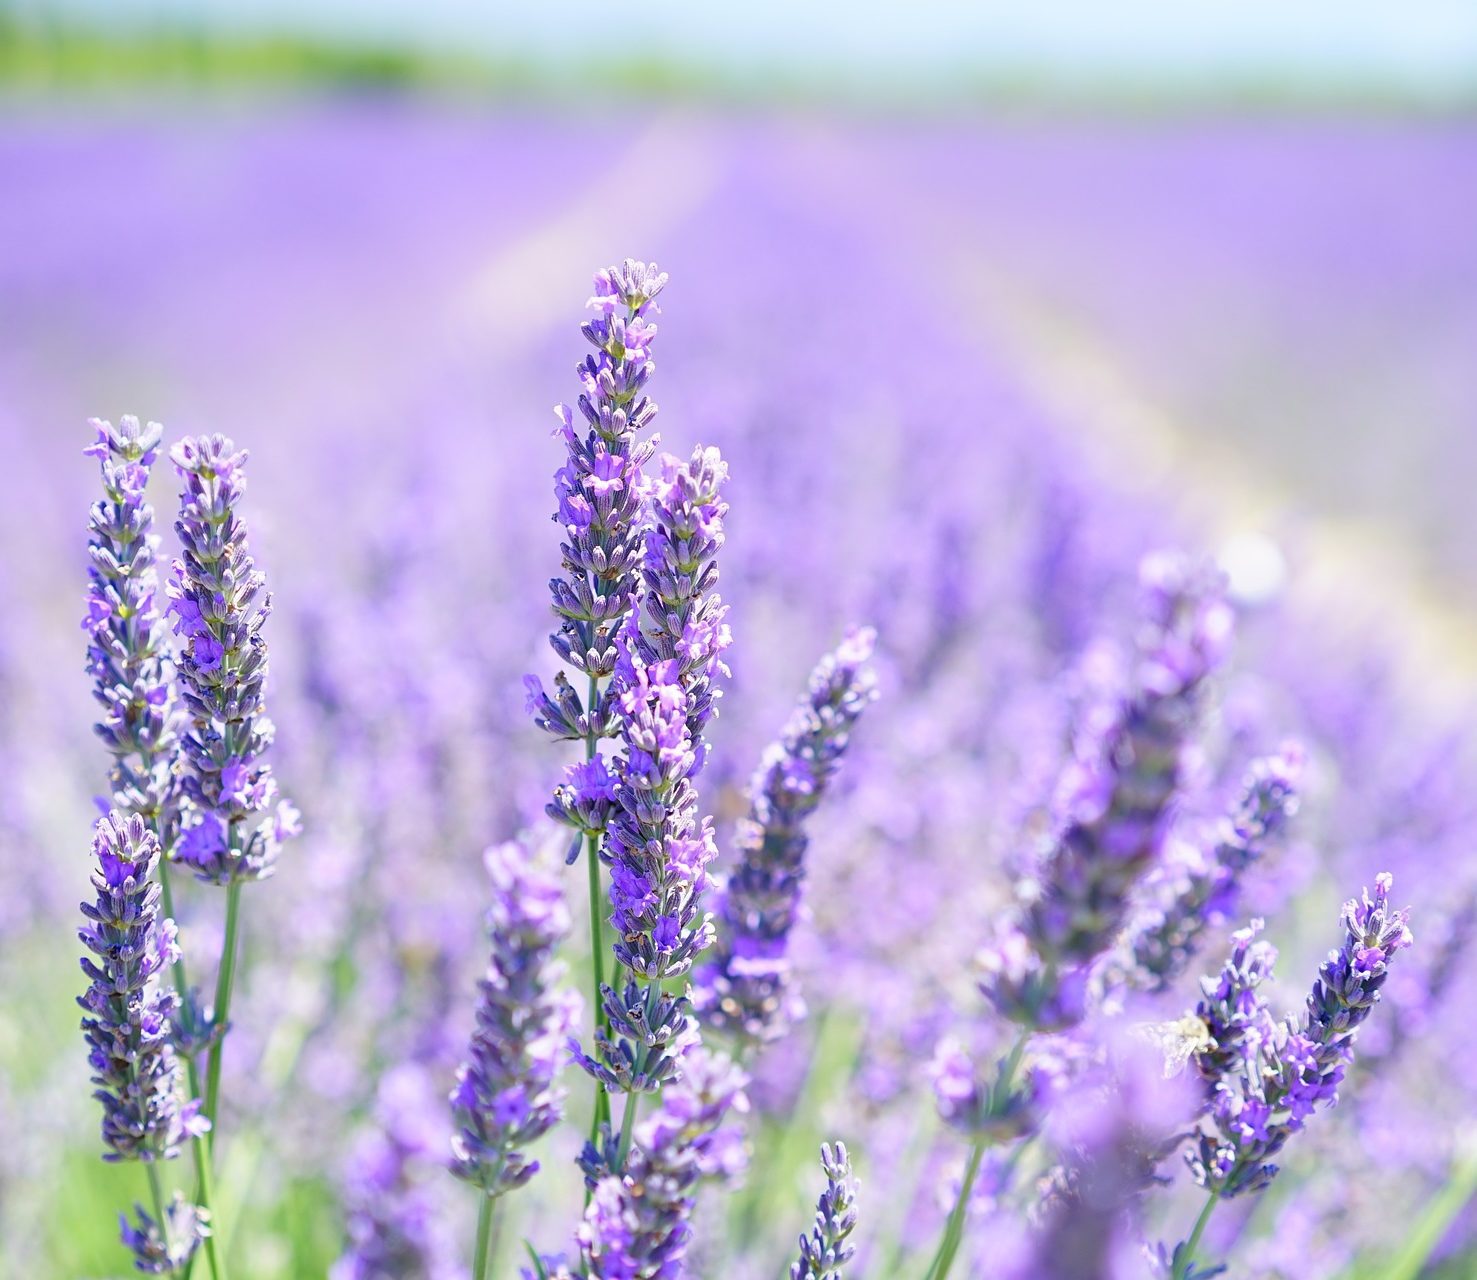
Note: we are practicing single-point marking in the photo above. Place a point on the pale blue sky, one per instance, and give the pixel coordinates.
(1416, 43)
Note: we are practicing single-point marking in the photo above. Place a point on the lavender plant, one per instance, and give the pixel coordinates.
(128, 1023)
(1270, 1078)
(235, 823)
(599, 493)
(505, 1095)
(747, 988)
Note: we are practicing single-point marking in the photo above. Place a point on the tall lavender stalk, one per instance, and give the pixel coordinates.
(656, 844)
(505, 1095)
(747, 988)
(1117, 801)
(1282, 1074)
(126, 654)
(134, 1067)
(599, 493)
(234, 825)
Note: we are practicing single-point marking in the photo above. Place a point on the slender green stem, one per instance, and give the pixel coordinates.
(943, 1258)
(157, 1193)
(597, 926)
(628, 1123)
(1186, 1256)
(220, 1013)
(205, 1196)
(486, 1237)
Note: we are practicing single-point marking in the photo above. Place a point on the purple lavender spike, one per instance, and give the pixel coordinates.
(747, 988)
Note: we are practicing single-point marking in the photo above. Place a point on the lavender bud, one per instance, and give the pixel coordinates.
(128, 1024)
(824, 1250)
(219, 603)
(505, 1096)
(747, 987)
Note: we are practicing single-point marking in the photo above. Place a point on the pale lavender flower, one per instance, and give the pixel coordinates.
(825, 1250)
(219, 603)
(1235, 1014)
(1283, 1080)
(747, 987)
(127, 646)
(506, 1096)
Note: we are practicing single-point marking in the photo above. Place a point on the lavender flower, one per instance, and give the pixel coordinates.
(824, 1250)
(1200, 891)
(217, 598)
(162, 1246)
(126, 646)
(1117, 801)
(637, 1224)
(505, 1096)
(128, 1023)
(657, 846)
(1232, 1010)
(1283, 1080)
(747, 987)
(600, 495)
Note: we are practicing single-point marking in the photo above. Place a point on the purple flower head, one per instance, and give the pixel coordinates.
(219, 602)
(747, 987)
(1235, 1015)
(1288, 1072)
(505, 1095)
(126, 644)
(599, 496)
(1118, 800)
(637, 1224)
(1201, 888)
(164, 1248)
(127, 1026)
(825, 1250)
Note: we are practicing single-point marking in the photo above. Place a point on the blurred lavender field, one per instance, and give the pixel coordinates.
(965, 377)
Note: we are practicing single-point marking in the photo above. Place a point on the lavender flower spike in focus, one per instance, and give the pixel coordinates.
(747, 987)
(127, 1026)
(1282, 1078)
(824, 1250)
(126, 645)
(658, 846)
(505, 1096)
(219, 602)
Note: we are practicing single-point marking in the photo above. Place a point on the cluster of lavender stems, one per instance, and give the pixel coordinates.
(187, 731)
(1266, 1078)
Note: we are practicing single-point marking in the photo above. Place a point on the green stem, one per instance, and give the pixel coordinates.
(597, 926)
(628, 1123)
(482, 1257)
(220, 1012)
(204, 1197)
(943, 1258)
(1185, 1257)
